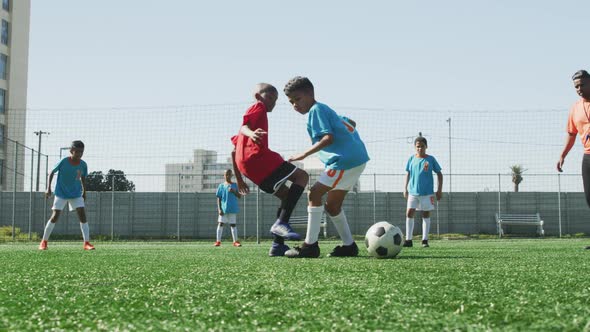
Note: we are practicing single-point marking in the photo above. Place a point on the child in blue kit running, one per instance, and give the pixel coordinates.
(419, 189)
(344, 155)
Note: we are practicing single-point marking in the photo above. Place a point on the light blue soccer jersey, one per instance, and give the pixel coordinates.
(229, 201)
(68, 183)
(347, 150)
(421, 182)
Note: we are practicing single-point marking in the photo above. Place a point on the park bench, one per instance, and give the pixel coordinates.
(519, 220)
(302, 220)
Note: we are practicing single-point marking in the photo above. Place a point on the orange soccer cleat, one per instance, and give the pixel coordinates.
(217, 243)
(237, 244)
(88, 246)
(43, 245)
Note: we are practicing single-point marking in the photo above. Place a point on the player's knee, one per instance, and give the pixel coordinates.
(302, 178)
(54, 216)
(220, 224)
(232, 225)
(410, 213)
(333, 209)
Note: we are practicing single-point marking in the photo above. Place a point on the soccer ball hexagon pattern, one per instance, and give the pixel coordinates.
(384, 240)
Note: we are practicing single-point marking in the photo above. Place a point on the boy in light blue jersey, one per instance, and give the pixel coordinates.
(69, 189)
(419, 189)
(344, 155)
(227, 208)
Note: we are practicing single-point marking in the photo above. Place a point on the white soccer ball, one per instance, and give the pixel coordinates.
(383, 240)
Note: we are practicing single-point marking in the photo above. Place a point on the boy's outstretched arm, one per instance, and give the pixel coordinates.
(406, 185)
(242, 186)
(326, 140)
(439, 178)
(255, 135)
(83, 180)
(48, 191)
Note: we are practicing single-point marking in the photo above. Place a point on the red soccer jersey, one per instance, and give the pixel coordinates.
(256, 161)
(578, 122)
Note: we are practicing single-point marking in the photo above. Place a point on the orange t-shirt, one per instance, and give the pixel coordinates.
(578, 122)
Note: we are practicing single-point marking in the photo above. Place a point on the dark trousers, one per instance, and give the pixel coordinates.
(586, 177)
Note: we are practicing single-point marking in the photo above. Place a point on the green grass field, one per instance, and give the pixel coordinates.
(541, 285)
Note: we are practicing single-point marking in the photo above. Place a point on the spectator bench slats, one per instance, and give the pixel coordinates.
(519, 220)
(302, 221)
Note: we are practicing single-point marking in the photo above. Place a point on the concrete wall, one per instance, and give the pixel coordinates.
(194, 215)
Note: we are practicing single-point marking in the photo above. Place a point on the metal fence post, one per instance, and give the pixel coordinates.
(46, 185)
(374, 198)
(437, 222)
(31, 193)
(258, 215)
(499, 194)
(178, 211)
(244, 213)
(499, 201)
(559, 201)
(14, 190)
(113, 207)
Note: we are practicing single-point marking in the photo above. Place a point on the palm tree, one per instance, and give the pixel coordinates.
(517, 171)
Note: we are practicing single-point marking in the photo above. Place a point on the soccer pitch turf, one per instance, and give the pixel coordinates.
(519, 284)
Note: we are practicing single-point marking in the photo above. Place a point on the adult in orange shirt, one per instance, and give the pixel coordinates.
(578, 123)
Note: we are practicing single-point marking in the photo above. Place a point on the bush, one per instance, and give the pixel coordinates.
(6, 234)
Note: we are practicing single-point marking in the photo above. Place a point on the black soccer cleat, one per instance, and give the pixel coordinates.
(408, 243)
(345, 251)
(305, 251)
(425, 244)
(587, 248)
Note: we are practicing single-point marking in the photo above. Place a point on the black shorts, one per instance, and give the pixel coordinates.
(272, 183)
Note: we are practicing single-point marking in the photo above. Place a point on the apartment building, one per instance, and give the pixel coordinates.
(14, 59)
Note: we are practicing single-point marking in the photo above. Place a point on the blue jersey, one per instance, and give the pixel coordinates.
(347, 150)
(229, 201)
(421, 181)
(68, 183)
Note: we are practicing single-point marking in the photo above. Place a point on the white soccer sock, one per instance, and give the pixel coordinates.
(48, 230)
(341, 224)
(219, 232)
(85, 231)
(234, 233)
(409, 228)
(425, 228)
(314, 219)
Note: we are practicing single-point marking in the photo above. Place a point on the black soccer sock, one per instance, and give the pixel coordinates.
(280, 209)
(278, 239)
(289, 204)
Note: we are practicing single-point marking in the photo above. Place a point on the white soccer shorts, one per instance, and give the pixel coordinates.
(421, 203)
(60, 203)
(341, 179)
(227, 218)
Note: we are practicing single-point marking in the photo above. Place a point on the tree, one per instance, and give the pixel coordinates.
(97, 181)
(517, 171)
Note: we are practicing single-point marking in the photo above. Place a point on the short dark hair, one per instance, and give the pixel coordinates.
(580, 74)
(298, 83)
(77, 145)
(421, 139)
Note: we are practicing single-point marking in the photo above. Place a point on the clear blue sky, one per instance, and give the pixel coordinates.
(439, 56)
(400, 54)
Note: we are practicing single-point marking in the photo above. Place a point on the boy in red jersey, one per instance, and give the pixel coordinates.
(266, 168)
